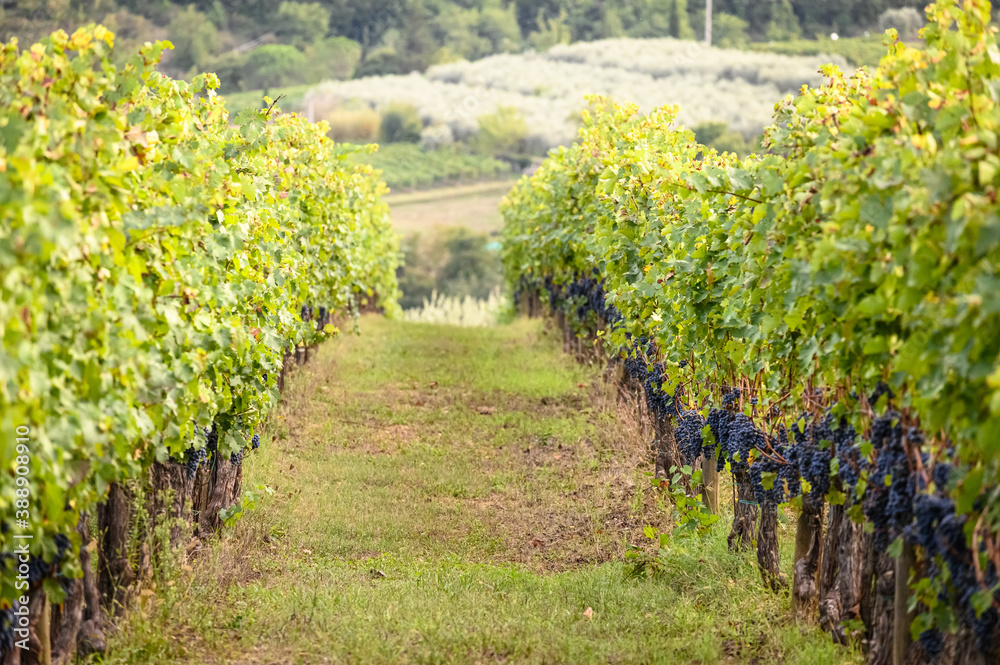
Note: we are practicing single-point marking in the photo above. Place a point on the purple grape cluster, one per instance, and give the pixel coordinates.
(688, 432)
(211, 439)
(888, 499)
(813, 454)
(849, 458)
(193, 459)
(932, 642)
(718, 421)
(787, 482)
(7, 619)
(255, 443)
(940, 531)
(743, 438)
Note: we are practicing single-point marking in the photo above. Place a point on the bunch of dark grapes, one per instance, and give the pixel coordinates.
(932, 642)
(255, 444)
(903, 488)
(662, 403)
(787, 484)
(7, 618)
(555, 292)
(719, 421)
(743, 438)
(635, 365)
(193, 459)
(881, 388)
(942, 475)
(814, 460)
(39, 569)
(730, 397)
(587, 291)
(688, 432)
(237, 457)
(211, 439)
(940, 531)
(764, 496)
(850, 460)
(886, 438)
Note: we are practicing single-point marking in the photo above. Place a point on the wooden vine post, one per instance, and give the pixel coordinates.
(710, 481)
(902, 616)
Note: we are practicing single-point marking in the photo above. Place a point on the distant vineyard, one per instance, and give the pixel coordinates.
(714, 85)
(162, 263)
(821, 320)
(407, 166)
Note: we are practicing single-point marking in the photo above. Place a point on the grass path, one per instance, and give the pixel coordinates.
(446, 495)
(475, 207)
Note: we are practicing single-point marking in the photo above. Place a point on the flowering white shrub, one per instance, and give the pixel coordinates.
(466, 312)
(710, 85)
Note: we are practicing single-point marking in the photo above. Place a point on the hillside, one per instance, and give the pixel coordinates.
(261, 44)
(549, 89)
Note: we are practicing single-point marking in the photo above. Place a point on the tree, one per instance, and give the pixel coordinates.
(680, 23)
(194, 38)
(400, 124)
(333, 58)
(784, 24)
(729, 31)
(301, 24)
(498, 26)
(273, 65)
(366, 21)
(503, 134)
(417, 51)
(529, 13)
(555, 32)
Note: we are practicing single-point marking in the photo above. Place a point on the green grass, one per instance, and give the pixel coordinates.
(475, 207)
(291, 102)
(408, 166)
(447, 495)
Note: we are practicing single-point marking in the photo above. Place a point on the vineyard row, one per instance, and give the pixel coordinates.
(822, 320)
(161, 266)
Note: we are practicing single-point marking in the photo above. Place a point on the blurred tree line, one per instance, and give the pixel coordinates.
(254, 44)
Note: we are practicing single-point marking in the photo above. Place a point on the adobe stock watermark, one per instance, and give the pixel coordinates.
(23, 522)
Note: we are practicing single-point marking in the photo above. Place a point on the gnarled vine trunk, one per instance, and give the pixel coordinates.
(768, 558)
(114, 520)
(851, 555)
(741, 536)
(224, 491)
(883, 599)
(828, 588)
(808, 552)
(90, 638)
(668, 455)
(169, 497)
